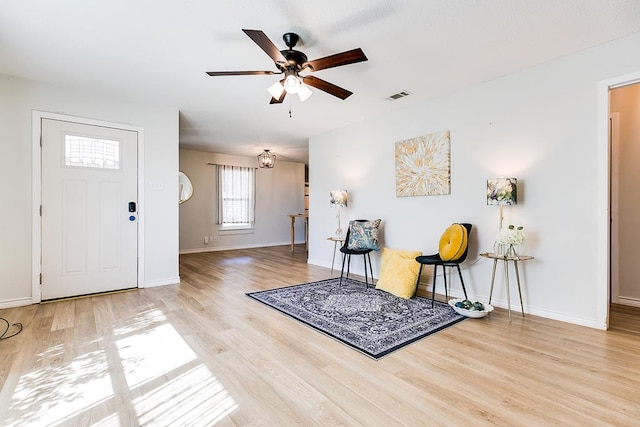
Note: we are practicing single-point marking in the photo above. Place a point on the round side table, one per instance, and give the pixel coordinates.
(335, 241)
(506, 259)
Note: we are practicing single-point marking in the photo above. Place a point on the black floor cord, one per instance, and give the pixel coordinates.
(4, 335)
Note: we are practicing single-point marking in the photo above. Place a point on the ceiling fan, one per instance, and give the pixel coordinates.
(291, 62)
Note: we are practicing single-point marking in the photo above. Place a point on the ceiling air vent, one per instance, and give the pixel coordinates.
(398, 95)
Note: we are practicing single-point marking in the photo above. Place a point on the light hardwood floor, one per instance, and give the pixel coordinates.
(202, 353)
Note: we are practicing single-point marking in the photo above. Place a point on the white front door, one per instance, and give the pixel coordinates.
(89, 211)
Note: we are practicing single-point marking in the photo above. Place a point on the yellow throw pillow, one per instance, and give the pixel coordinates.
(398, 272)
(453, 242)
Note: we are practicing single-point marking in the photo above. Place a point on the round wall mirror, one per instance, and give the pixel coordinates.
(185, 188)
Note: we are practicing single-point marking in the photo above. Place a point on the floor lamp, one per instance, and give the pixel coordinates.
(338, 200)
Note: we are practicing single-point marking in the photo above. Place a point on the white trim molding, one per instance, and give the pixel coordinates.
(17, 302)
(162, 282)
(603, 215)
(633, 302)
(234, 247)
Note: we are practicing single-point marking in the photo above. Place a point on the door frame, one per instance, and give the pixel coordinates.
(36, 193)
(603, 225)
(614, 167)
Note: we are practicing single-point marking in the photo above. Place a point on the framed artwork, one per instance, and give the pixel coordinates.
(423, 165)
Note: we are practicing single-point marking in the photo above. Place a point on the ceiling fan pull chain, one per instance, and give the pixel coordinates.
(290, 107)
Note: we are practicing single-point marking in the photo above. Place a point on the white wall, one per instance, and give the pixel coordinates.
(18, 97)
(15, 172)
(540, 126)
(279, 192)
(626, 101)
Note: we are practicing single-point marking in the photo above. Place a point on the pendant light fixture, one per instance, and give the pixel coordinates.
(266, 159)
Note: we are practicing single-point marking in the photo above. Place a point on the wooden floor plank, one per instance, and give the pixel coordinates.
(203, 353)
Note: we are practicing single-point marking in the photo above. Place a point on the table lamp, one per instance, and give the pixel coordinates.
(502, 192)
(338, 200)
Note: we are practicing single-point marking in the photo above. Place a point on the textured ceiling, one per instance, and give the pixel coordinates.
(157, 51)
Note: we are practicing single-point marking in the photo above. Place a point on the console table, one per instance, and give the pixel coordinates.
(306, 228)
(506, 259)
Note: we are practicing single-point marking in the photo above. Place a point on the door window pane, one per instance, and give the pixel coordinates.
(87, 152)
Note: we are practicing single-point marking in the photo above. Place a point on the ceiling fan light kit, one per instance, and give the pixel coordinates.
(291, 82)
(291, 62)
(304, 92)
(276, 90)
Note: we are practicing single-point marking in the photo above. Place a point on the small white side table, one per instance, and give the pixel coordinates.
(335, 241)
(506, 259)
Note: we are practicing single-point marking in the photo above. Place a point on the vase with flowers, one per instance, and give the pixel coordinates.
(507, 240)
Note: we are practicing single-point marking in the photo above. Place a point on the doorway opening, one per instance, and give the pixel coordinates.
(624, 142)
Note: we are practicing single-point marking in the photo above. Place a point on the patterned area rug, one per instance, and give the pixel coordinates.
(364, 318)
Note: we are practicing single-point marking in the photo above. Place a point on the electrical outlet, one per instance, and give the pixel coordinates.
(215, 239)
(206, 240)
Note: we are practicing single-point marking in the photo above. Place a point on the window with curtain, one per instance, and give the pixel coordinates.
(236, 197)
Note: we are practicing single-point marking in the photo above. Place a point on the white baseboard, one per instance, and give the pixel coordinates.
(576, 320)
(515, 309)
(162, 282)
(633, 302)
(319, 263)
(17, 302)
(235, 247)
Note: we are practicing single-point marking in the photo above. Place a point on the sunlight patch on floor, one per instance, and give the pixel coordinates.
(159, 380)
(152, 353)
(112, 420)
(142, 321)
(238, 260)
(194, 398)
(52, 393)
(158, 363)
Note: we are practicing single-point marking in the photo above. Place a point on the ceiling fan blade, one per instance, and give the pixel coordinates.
(344, 58)
(240, 73)
(325, 86)
(267, 45)
(279, 100)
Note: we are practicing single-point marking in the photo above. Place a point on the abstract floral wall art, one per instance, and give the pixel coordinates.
(423, 166)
